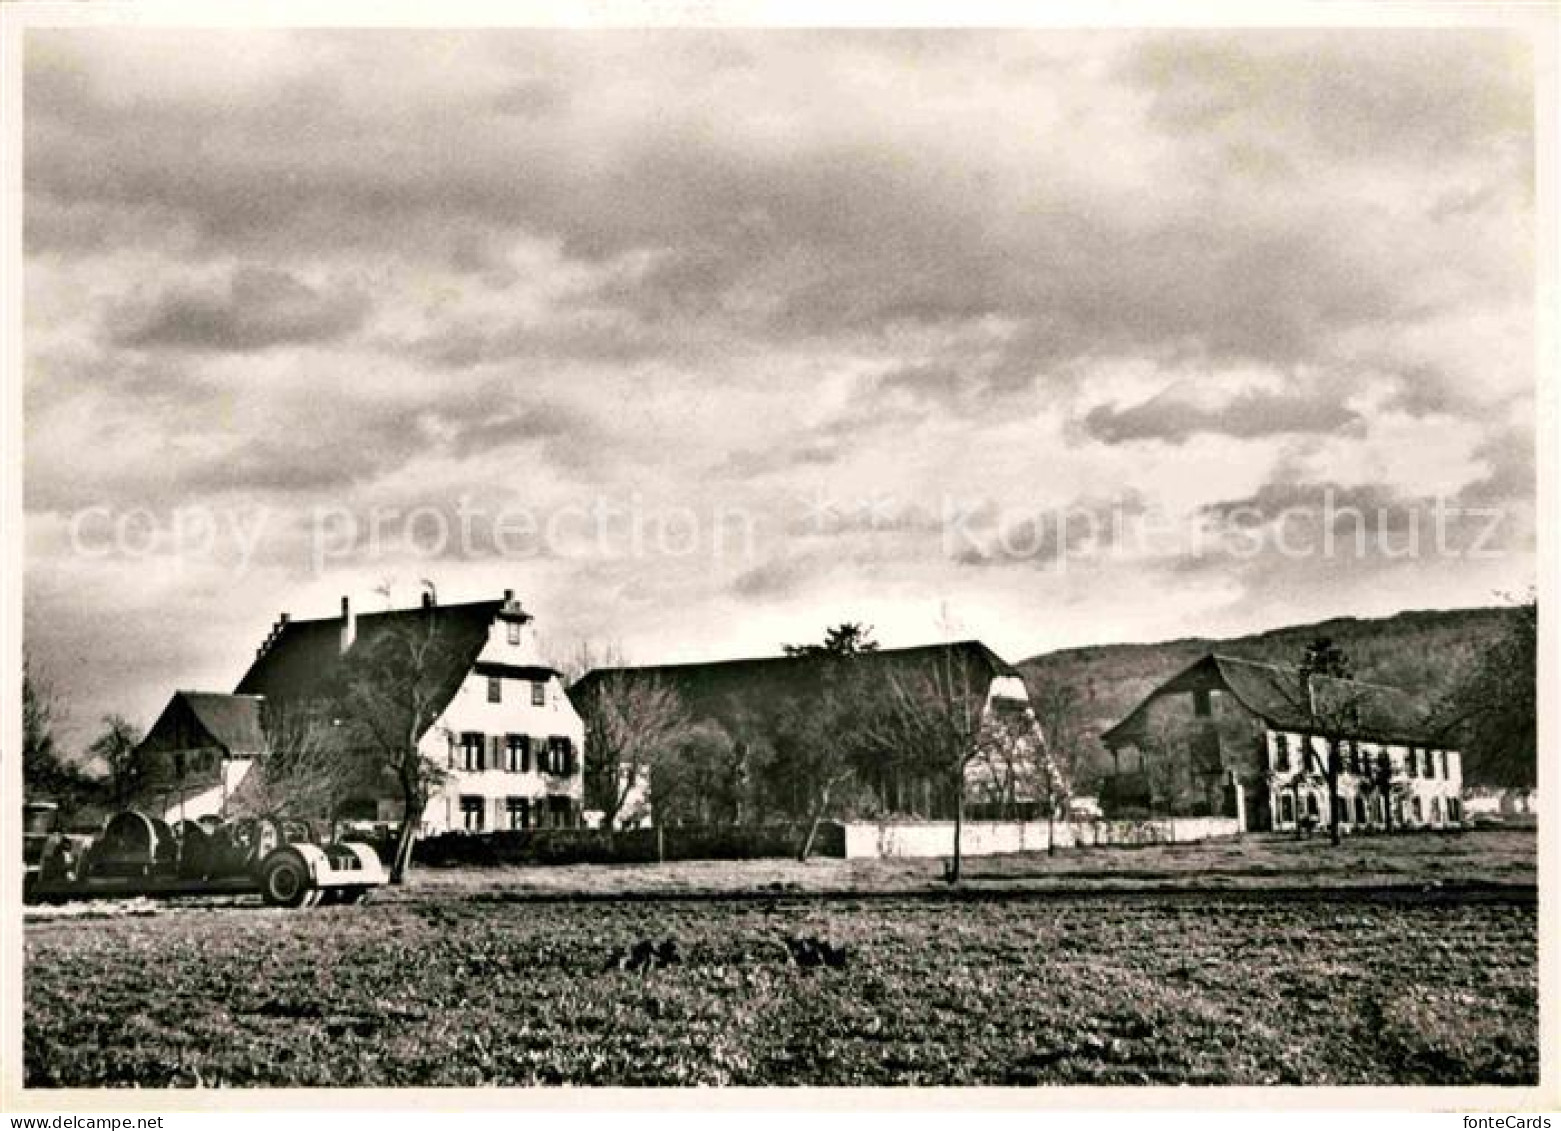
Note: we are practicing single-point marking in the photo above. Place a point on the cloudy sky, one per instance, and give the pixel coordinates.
(712, 338)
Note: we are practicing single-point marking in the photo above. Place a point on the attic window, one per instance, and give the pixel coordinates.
(1200, 702)
(538, 693)
(495, 689)
(514, 632)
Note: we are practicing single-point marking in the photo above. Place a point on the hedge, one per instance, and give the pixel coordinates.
(629, 846)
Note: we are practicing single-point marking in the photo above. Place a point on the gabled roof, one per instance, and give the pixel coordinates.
(304, 660)
(195, 720)
(723, 688)
(1274, 693)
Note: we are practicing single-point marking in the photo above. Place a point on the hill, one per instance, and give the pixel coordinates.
(1423, 652)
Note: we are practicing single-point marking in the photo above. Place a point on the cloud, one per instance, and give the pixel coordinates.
(1246, 416)
(728, 269)
(256, 309)
(1510, 476)
(1368, 507)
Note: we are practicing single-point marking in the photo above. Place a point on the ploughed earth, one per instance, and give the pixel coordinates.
(1392, 960)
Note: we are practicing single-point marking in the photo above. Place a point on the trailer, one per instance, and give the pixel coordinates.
(283, 861)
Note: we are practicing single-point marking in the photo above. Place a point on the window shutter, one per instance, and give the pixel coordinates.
(451, 737)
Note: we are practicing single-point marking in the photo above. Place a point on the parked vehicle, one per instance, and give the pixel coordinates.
(141, 855)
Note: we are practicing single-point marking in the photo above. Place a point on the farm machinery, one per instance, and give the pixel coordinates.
(140, 855)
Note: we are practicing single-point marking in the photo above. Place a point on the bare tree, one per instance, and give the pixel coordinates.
(632, 722)
(818, 748)
(937, 713)
(394, 691)
(117, 747)
(1013, 749)
(306, 766)
(1323, 695)
(820, 741)
(1493, 707)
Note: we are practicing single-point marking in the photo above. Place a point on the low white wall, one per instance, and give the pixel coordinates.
(994, 838)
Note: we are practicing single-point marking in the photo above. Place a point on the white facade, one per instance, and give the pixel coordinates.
(527, 771)
(207, 796)
(1427, 784)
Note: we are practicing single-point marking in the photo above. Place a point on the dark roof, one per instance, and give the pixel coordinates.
(195, 720)
(1273, 692)
(722, 688)
(304, 660)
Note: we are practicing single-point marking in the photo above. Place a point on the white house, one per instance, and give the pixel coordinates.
(505, 733)
(1236, 737)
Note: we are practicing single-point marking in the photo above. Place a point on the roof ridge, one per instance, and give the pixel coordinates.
(1225, 656)
(783, 657)
(306, 621)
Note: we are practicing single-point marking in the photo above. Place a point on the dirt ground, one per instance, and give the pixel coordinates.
(1406, 960)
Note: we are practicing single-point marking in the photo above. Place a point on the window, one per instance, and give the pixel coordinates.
(1435, 767)
(1286, 809)
(1200, 703)
(560, 755)
(517, 754)
(1360, 809)
(516, 811)
(1436, 810)
(1419, 810)
(538, 693)
(1412, 762)
(471, 814)
(514, 632)
(472, 751)
(495, 689)
(1311, 806)
(1454, 810)
(1282, 753)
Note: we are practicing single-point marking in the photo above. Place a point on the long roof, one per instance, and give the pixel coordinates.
(721, 688)
(304, 661)
(1352, 708)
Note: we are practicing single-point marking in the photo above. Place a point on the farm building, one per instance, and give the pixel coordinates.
(734, 696)
(504, 730)
(197, 754)
(1234, 737)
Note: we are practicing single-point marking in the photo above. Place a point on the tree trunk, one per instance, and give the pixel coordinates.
(401, 860)
(1333, 792)
(959, 827)
(816, 819)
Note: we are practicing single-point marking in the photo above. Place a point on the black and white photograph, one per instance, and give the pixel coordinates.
(661, 548)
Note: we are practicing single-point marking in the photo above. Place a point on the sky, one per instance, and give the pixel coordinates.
(703, 340)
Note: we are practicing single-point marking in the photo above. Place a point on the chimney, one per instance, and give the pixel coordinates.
(509, 596)
(349, 625)
(428, 599)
